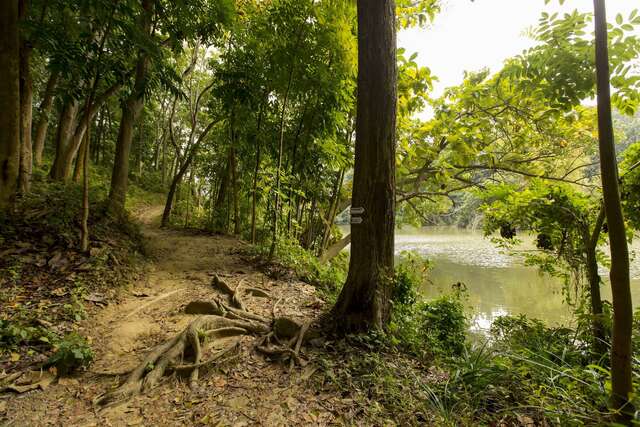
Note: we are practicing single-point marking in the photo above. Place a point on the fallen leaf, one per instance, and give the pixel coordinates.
(308, 371)
(68, 382)
(15, 357)
(220, 382)
(239, 402)
(30, 381)
(292, 403)
(97, 299)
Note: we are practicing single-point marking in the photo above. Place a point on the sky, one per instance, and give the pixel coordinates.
(470, 35)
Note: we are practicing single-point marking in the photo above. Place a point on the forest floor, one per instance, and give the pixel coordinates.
(249, 391)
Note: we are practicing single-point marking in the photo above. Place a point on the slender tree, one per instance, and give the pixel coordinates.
(26, 104)
(365, 299)
(131, 109)
(43, 119)
(621, 385)
(9, 102)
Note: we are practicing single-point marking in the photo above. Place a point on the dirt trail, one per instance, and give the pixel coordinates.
(253, 391)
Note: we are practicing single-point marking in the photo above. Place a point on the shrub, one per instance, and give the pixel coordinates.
(430, 328)
(410, 274)
(72, 352)
(327, 277)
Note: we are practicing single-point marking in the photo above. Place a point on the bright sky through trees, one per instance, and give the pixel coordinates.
(472, 35)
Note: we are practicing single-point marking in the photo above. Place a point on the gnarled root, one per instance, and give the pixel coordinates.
(168, 356)
(292, 333)
(280, 337)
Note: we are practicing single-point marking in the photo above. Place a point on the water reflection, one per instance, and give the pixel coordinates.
(497, 282)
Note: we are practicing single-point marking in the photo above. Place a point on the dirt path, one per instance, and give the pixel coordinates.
(253, 391)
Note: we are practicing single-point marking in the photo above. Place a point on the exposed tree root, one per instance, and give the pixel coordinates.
(216, 323)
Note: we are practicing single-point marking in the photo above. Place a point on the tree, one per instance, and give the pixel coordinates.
(364, 302)
(131, 109)
(621, 384)
(568, 224)
(9, 102)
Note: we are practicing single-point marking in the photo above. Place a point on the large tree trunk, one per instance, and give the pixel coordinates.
(26, 107)
(43, 118)
(621, 385)
(9, 102)
(364, 302)
(131, 110)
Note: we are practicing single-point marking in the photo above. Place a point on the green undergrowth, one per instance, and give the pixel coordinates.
(293, 260)
(47, 285)
(426, 370)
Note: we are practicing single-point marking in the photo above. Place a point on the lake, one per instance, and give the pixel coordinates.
(497, 283)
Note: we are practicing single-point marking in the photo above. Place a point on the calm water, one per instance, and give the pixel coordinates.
(497, 283)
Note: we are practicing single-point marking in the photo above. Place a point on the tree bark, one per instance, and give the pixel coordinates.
(63, 133)
(236, 192)
(621, 384)
(276, 208)
(332, 212)
(335, 249)
(254, 193)
(9, 103)
(43, 118)
(593, 277)
(364, 302)
(131, 110)
(26, 107)
(61, 168)
(84, 230)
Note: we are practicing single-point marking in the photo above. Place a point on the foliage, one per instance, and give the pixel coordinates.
(562, 65)
(430, 328)
(327, 277)
(13, 335)
(630, 174)
(71, 353)
(411, 274)
(561, 218)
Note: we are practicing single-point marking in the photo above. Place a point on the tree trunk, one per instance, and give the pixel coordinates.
(63, 134)
(600, 338)
(131, 110)
(79, 167)
(332, 212)
(166, 214)
(236, 193)
(9, 103)
(276, 208)
(84, 230)
(254, 192)
(335, 249)
(364, 302)
(64, 161)
(621, 384)
(43, 118)
(26, 107)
